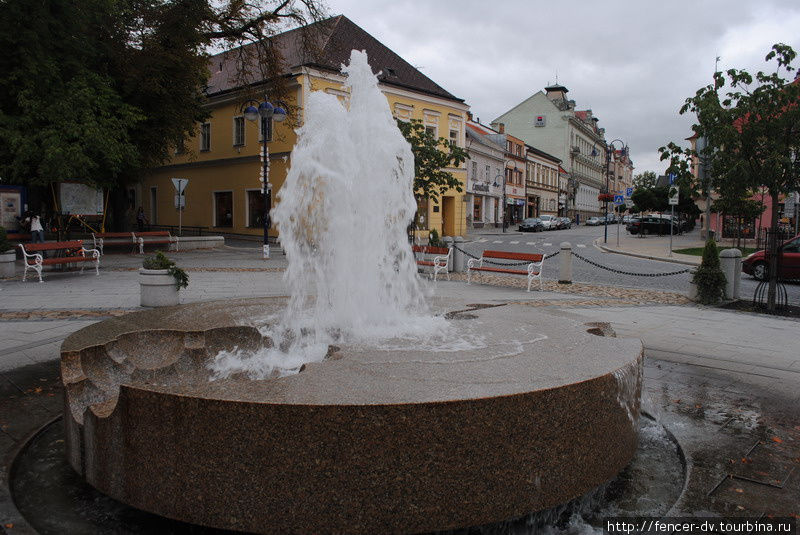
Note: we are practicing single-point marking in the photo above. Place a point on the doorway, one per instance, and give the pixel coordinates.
(448, 216)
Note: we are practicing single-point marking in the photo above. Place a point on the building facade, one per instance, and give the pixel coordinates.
(485, 178)
(542, 178)
(550, 122)
(222, 162)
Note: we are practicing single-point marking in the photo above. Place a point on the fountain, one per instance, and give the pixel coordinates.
(357, 404)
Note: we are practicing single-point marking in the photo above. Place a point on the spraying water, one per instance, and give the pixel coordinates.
(342, 216)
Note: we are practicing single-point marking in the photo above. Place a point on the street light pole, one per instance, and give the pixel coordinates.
(505, 207)
(609, 150)
(266, 112)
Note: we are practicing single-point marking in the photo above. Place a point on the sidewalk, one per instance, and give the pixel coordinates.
(653, 247)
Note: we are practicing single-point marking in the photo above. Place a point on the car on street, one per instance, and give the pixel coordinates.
(566, 222)
(550, 222)
(626, 219)
(757, 266)
(532, 224)
(594, 221)
(650, 225)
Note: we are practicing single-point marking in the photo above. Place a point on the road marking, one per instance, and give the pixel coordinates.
(530, 243)
(497, 241)
(547, 244)
(513, 242)
(482, 240)
(581, 245)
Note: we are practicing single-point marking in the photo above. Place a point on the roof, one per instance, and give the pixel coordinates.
(476, 134)
(556, 87)
(543, 154)
(333, 39)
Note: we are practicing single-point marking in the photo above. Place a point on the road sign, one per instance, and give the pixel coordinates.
(673, 195)
(180, 201)
(628, 192)
(629, 203)
(619, 199)
(672, 177)
(180, 184)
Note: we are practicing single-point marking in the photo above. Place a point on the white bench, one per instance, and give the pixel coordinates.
(533, 269)
(73, 252)
(441, 261)
(101, 239)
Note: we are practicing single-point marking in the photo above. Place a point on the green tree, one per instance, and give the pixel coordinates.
(432, 157)
(646, 179)
(98, 90)
(708, 277)
(752, 134)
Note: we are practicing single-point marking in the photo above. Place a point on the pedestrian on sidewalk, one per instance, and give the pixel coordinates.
(33, 221)
(141, 219)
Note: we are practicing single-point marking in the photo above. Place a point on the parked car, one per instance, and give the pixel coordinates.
(566, 222)
(550, 222)
(756, 264)
(532, 224)
(626, 219)
(650, 225)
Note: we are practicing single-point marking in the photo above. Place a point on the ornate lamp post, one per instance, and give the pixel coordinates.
(610, 148)
(266, 112)
(503, 183)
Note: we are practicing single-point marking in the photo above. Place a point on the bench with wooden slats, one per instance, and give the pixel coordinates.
(154, 237)
(532, 264)
(71, 252)
(440, 261)
(101, 239)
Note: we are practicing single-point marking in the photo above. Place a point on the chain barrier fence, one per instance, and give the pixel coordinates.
(630, 273)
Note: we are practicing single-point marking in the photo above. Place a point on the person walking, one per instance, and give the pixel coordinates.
(141, 219)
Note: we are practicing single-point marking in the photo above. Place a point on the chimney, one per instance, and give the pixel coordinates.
(501, 128)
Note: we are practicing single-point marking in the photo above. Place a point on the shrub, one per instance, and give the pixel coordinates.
(434, 240)
(709, 278)
(160, 261)
(5, 245)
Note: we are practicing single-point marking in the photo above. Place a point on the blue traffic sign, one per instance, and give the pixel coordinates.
(672, 177)
(628, 192)
(618, 199)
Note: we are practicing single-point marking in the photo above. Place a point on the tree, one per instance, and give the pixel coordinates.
(751, 132)
(432, 157)
(646, 179)
(98, 90)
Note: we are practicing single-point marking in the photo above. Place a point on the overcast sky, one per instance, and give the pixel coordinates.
(632, 62)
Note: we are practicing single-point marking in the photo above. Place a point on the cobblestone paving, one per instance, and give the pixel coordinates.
(610, 295)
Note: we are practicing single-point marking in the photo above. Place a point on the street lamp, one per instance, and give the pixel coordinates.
(609, 150)
(266, 112)
(503, 182)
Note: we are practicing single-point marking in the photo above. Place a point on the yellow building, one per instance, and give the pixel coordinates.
(222, 162)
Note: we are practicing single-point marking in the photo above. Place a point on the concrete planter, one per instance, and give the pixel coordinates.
(157, 288)
(7, 264)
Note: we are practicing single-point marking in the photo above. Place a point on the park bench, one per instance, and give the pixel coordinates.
(18, 237)
(71, 252)
(101, 239)
(533, 264)
(155, 237)
(440, 261)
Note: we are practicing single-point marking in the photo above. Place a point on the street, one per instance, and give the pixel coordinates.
(582, 239)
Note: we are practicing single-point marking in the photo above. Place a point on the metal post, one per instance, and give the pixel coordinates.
(605, 203)
(180, 209)
(265, 187)
(618, 225)
(671, 224)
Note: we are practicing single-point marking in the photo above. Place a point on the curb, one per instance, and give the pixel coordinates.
(648, 257)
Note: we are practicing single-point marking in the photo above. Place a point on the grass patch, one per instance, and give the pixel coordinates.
(698, 251)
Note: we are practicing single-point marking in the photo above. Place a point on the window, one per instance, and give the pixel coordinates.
(488, 172)
(238, 131)
(475, 170)
(223, 208)
(205, 137)
(255, 209)
(454, 137)
(431, 130)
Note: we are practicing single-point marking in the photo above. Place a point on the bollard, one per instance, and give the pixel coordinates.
(730, 261)
(459, 262)
(565, 265)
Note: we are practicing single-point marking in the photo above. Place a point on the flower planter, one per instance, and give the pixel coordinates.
(157, 288)
(7, 264)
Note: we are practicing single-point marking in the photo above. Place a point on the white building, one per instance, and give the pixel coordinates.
(485, 164)
(550, 122)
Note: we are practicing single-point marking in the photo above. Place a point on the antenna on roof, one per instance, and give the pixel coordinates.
(556, 76)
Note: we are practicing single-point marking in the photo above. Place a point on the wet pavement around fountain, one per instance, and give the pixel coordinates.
(726, 384)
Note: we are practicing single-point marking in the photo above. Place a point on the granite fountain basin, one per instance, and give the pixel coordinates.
(530, 412)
